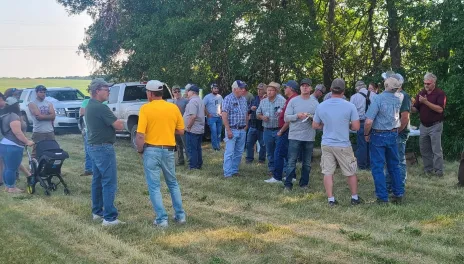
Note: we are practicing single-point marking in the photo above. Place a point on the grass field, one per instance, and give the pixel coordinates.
(238, 220)
(30, 83)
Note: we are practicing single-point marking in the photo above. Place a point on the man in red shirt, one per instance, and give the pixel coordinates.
(430, 103)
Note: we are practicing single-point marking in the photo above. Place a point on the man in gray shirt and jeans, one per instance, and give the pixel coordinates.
(299, 113)
(180, 139)
(194, 120)
(43, 115)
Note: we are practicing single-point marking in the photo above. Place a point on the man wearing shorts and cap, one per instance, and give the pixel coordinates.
(381, 130)
(336, 117)
(43, 115)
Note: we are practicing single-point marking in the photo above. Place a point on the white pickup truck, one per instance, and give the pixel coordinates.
(125, 101)
(66, 101)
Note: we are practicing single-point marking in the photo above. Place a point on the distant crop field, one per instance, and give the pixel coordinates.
(29, 83)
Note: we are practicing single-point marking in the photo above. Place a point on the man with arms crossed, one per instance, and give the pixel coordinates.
(158, 121)
(336, 117)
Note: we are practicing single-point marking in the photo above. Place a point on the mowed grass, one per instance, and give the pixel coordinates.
(6, 83)
(238, 220)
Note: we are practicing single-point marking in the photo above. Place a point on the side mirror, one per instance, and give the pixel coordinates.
(87, 97)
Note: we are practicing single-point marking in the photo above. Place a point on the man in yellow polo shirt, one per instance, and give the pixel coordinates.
(158, 121)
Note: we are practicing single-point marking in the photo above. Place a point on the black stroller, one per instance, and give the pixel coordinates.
(50, 157)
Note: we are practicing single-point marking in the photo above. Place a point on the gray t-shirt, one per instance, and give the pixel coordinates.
(299, 129)
(6, 120)
(196, 107)
(336, 115)
(42, 126)
(213, 104)
(181, 103)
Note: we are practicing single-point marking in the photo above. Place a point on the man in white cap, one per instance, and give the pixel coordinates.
(235, 119)
(362, 99)
(158, 122)
(381, 130)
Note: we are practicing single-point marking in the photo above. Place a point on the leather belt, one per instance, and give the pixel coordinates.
(237, 127)
(384, 131)
(170, 148)
(431, 124)
(272, 128)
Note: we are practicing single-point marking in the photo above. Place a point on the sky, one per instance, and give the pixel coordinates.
(40, 39)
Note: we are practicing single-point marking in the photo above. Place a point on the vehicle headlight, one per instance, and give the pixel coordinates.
(60, 112)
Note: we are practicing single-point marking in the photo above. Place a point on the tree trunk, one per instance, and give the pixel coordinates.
(372, 40)
(328, 53)
(394, 35)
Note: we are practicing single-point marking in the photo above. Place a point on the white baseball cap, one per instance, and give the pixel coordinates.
(154, 85)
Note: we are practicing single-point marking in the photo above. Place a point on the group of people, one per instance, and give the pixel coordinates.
(284, 130)
(13, 128)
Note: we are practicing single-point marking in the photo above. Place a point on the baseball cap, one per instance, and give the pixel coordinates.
(154, 86)
(40, 88)
(399, 77)
(320, 87)
(391, 84)
(175, 87)
(306, 81)
(338, 85)
(359, 85)
(262, 86)
(292, 84)
(214, 85)
(274, 85)
(96, 84)
(194, 88)
(11, 100)
(239, 84)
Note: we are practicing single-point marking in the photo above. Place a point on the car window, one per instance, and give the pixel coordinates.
(31, 96)
(135, 93)
(64, 95)
(114, 94)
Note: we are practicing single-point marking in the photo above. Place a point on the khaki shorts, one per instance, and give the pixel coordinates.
(343, 155)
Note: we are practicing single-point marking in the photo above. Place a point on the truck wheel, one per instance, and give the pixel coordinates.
(133, 135)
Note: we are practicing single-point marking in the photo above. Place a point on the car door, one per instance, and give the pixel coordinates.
(113, 102)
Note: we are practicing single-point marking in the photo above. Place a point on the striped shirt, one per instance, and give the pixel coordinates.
(237, 110)
(271, 110)
(385, 111)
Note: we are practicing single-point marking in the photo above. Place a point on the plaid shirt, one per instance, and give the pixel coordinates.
(237, 109)
(271, 110)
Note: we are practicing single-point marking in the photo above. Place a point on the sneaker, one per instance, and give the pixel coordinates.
(293, 180)
(113, 223)
(438, 173)
(397, 199)
(272, 180)
(381, 202)
(287, 189)
(334, 203)
(356, 202)
(180, 221)
(162, 224)
(96, 217)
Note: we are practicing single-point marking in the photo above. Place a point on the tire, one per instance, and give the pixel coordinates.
(133, 134)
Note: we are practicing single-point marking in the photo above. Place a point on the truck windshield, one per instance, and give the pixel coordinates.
(137, 93)
(64, 95)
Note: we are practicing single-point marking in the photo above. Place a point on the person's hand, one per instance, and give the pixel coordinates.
(229, 134)
(279, 133)
(302, 115)
(210, 115)
(422, 99)
(30, 143)
(265, 118)
(367, 138)
(253, 108)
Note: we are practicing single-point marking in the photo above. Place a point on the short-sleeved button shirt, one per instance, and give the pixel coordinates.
(271, 110)
(197, 108)
(237, 110)
(385, 111)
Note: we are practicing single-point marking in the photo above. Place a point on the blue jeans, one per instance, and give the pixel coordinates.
(104, 181)
(270, 140)
(362, 149)
(401, 141)
(215, 126)
(12, 156)
(384, 149)
(253, 136)
(194, 150)
(295, 147)
(88, 161)
(280, 156)
(156, 160)
(233, 152)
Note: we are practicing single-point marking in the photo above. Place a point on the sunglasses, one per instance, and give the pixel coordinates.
(428, 83)
(176, 92)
